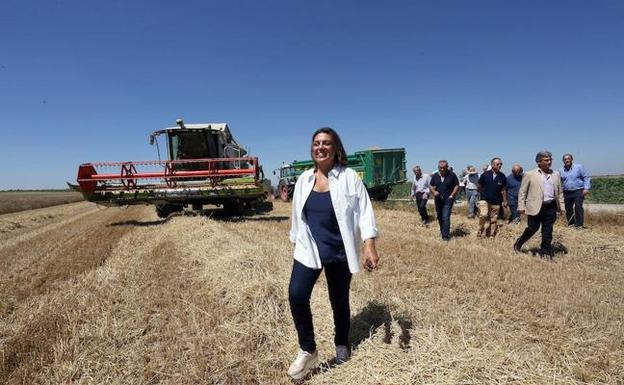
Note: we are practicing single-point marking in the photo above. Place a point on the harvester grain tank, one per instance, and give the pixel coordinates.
(379, 169)
(205, 165)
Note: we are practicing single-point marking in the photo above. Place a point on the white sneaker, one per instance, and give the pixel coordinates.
(302, 365)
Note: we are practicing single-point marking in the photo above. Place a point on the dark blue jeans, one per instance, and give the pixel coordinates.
(513, 207)
(302, 282)
(443, 211)
(573, 201)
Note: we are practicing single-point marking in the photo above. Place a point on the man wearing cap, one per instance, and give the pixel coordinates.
(471, 180)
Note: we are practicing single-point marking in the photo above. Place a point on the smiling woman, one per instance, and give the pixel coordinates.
(327, 149)
(331, 212)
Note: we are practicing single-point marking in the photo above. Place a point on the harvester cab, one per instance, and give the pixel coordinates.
(199, 141)
(205, 165)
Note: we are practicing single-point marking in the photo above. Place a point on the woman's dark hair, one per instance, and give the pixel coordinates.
(341, 154)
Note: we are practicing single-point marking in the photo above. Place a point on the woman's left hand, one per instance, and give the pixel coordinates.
(371, 258)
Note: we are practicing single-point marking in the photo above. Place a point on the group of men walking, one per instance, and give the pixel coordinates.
(535, 193)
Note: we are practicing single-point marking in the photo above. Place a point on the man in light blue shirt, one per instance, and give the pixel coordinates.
(576, 183)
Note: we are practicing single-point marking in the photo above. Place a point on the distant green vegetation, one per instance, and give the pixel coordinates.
(401, 191)
(605, 189)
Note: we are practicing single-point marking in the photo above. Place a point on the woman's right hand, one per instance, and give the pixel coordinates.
(371, 258)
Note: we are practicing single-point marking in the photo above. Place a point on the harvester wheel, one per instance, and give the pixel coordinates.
(233, 207)
(163, 211)
(265, 207)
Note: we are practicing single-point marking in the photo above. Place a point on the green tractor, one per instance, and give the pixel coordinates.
(379, 169)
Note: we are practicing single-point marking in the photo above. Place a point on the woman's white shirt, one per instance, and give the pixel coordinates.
(353, 210)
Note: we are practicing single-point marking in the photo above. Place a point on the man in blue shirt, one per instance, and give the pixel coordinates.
(576, 184)
(513, 187)
(493, 189)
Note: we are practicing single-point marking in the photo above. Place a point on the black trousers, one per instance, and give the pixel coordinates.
(302, 282)
(421, 204)
(573, 201)
(546, 219)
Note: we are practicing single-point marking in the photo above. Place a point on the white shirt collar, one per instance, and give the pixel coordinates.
(334, 172)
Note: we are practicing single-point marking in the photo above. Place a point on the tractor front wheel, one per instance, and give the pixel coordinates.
(284, 192)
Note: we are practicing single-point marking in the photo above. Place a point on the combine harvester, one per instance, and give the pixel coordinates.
(379, 169)
(206, 166)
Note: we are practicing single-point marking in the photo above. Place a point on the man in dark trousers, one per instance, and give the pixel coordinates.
(420, 192)
(539, 195)
(493, 189)
(513, 188)
(444, 187)
(576, 184)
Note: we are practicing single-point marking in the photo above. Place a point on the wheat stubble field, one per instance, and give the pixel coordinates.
(92, 295)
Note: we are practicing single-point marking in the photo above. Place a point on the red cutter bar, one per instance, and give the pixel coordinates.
(169, 171)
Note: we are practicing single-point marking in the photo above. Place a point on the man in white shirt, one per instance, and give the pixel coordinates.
(420, 193)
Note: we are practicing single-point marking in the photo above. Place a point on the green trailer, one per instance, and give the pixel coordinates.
(379, 169)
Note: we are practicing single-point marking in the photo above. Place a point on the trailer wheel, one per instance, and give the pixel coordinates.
(379, 196)
(385, 193)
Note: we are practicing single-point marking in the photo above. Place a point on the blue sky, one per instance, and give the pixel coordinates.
(461, 80)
